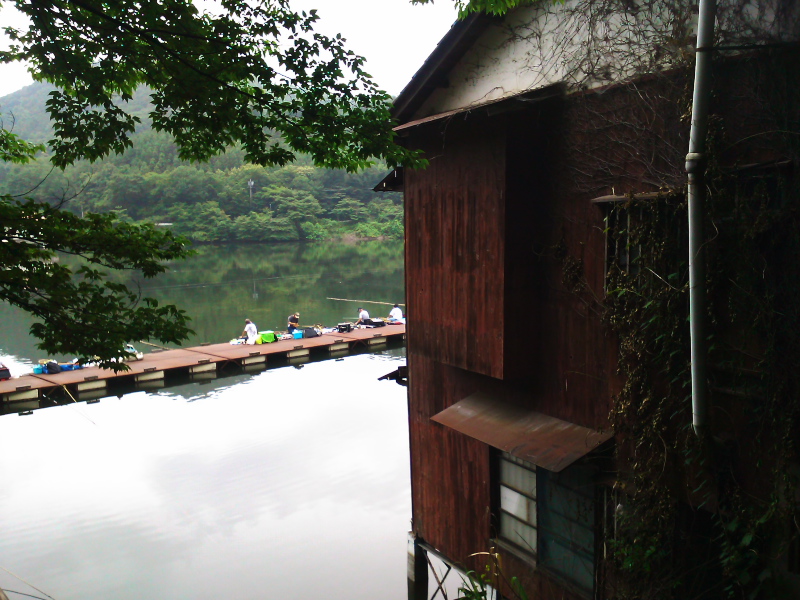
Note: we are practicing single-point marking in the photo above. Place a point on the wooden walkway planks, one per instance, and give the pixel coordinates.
(196, 360)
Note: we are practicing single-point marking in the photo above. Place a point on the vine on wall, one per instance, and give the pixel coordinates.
(713, 517)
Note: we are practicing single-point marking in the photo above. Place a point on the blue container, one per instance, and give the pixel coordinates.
(298, 335)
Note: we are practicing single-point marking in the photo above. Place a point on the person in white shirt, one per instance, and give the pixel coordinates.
(396, 314)
(250, 332)
(363, 317)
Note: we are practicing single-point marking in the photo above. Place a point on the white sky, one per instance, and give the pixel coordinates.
(393, 35)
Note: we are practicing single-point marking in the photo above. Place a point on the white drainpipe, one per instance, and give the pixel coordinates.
(695, 167)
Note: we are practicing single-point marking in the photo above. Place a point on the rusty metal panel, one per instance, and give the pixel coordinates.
(545, 441)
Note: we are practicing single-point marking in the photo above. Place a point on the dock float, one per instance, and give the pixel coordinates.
(199, 362)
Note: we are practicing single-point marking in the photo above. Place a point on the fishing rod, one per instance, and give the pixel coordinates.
(366, 301)
(155, 345)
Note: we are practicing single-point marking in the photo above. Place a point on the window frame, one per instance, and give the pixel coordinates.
(535, 557)
(530, 553)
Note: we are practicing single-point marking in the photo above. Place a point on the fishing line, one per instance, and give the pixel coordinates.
(76, 410)
(366, 301)
(27, 583)
(22, 594)
(251, 280)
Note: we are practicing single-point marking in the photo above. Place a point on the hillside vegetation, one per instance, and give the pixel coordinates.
(207, 202)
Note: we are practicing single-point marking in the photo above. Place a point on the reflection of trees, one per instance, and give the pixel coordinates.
(216, 285)
(16, 340)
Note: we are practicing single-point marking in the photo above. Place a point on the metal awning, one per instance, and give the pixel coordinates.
(545, 441)
(612, 199)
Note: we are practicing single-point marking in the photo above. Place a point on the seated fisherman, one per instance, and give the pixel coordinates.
(294, 322)
(250, 332)
(363, 317)
(396, 314)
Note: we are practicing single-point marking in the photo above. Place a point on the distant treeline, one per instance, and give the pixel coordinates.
(225, 200)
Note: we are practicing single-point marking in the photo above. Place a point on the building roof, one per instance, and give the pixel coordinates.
(433, 72)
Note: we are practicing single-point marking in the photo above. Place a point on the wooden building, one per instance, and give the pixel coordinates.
(512, 374)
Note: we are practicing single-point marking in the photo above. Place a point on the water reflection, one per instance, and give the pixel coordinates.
(222, 286)
(291, 483)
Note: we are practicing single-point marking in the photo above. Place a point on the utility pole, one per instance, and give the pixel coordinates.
(250, 184)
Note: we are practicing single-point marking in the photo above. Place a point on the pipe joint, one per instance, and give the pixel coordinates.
(695, 163)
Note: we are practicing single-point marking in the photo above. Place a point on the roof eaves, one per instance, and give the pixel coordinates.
(434, 70)
(518, 101)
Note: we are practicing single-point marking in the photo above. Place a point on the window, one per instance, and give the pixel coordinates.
(518, 503)
(620, 251)
(630, 220)
(550, 517)
(767, 184)
(567, 525)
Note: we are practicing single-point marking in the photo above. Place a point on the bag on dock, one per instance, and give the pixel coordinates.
(310, 332)
(344, 327)
(378, 323)
(53, 367)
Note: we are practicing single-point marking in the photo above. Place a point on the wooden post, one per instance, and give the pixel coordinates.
(417, 570)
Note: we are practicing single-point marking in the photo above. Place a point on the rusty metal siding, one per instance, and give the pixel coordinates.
(455, 245)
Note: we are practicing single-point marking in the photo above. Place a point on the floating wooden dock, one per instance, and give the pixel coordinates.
(200, 362)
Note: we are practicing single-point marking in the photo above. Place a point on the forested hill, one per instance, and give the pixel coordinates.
(208, 202)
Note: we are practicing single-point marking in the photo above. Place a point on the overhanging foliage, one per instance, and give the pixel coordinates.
(79, 313)
(252, 74)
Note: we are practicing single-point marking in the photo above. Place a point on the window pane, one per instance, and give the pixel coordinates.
(575, 567)
(566, 524)
(521, 479)
(518, 533)
(575, 534)
(520, 506)
(518, 498)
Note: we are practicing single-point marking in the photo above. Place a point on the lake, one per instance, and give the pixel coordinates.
(223, 285)
(291, 482)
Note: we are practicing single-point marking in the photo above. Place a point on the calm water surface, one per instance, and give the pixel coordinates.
(288, 483)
